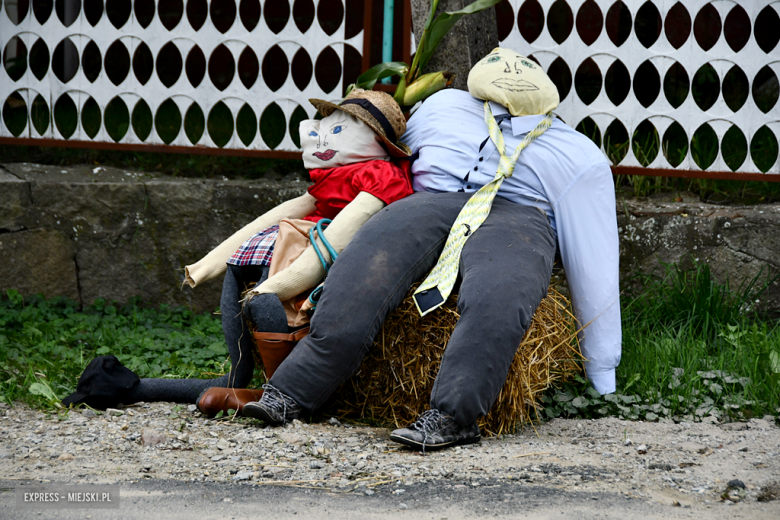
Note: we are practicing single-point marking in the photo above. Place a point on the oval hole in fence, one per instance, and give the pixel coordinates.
(644, 143)
(144, 12)
(530, 20)
(704, 146)
(42, 10)
(590, 21)
(220, 124)
(222, 67)
(735, 88)
(197, 12)
(737, 29)
(143, 63)
(223, 14)
(616, 141)
(327, 69)
(248, 67)
(196, 66)
(766, 89)
(67, 11)
(766, 33)
(590, 129)
(275, 68)
(246, 124)
(169, 64)
(272, 125)
(91, 61)
(167, 121)
(39, 59)
(66, 116)
(39, 115)
(675, 144)
(617, 82)
(353, 62)
(560, 21)
(618, 23)
(15, 58)
(170, 12)
(301, 69)
(117, 62)
(17, 11)
(353, 23)
(560, 75)
(117, 119)
(647, 24)
(194, 123)
(142, 120)
(734, 148)
(763, 149)
(677, 25)
(91, 118)
(15, 114)
(707, 27)
(65, 60)
(298, 115)
(330, 14)
(118, 12)
(647, 83)
(505, 18)
(93, 11)
(706, 87)
(249, 12)
(676, 85)
(277, 12)
(587, 81)
(303, 14)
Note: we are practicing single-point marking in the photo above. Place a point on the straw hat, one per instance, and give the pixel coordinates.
(378, 110)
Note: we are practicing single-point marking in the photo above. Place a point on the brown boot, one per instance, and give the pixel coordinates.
(217, 399)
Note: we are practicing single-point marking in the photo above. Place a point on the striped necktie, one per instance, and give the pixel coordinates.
(435, 289)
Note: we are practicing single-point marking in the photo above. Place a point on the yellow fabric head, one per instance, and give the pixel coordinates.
(512, 80)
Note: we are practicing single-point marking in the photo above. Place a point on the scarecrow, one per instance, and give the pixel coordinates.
(349, 154)
(501, 185)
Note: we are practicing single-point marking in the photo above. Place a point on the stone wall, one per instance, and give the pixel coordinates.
(87, 233)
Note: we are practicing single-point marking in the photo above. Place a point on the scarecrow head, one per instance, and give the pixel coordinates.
(514, 81)
(365, 126)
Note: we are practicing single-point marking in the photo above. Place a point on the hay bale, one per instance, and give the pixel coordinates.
(394, 382)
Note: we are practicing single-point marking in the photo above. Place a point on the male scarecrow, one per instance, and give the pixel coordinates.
(500, 184)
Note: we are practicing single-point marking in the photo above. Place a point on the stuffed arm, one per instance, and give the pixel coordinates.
(307, 271)
(214, 263)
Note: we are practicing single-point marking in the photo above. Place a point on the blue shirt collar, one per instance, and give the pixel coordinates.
(521, 124)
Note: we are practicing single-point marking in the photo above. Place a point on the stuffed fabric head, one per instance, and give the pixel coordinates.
(338, 140)
(512, 80)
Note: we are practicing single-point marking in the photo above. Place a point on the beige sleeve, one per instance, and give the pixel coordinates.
(307, 271)
(214, 263)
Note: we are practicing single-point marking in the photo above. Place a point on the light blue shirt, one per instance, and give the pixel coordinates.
(564, 174)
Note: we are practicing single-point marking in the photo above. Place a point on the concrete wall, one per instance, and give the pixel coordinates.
(115, 234)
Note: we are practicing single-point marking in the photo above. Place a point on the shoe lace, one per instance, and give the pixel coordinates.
(274, 398)
(428, 422)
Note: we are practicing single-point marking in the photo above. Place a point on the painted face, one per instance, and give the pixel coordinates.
(337, 140)
(505, 67)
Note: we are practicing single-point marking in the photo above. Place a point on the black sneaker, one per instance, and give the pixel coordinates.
(274, 407)
(434, 430)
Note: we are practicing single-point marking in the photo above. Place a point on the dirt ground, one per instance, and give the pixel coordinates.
(171, 462)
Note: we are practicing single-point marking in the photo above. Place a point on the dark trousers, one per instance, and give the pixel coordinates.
(505, 270)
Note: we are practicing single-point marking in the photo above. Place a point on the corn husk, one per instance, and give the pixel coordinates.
(394, 382)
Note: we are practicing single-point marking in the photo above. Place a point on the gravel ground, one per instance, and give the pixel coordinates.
(691, 465)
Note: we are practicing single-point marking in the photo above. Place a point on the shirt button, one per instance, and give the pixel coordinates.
(476, 168)
(469, 186)
(480, 159)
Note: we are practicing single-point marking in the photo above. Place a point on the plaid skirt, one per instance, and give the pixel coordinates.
(258, 250)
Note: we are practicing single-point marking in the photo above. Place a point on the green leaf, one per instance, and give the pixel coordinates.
(442, 25)
(368, 79)
(43, 390)
(580, 402)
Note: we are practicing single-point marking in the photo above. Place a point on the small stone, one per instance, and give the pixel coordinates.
(369, 492)
(403, 506)
(334, 422)
(223, 444)
(628, 442)
(743, 449)
(608, 455)
(114, 412)
(641, 449)
(191, 408)
(316, 465)
(151, 437)
(399, 491)
(5, 455)
(217, 458)
(66, 457)
(243, 475)
(88, 413)
(736, 483)
(292, 438)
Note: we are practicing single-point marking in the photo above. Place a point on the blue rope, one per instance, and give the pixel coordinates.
(318, 230)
